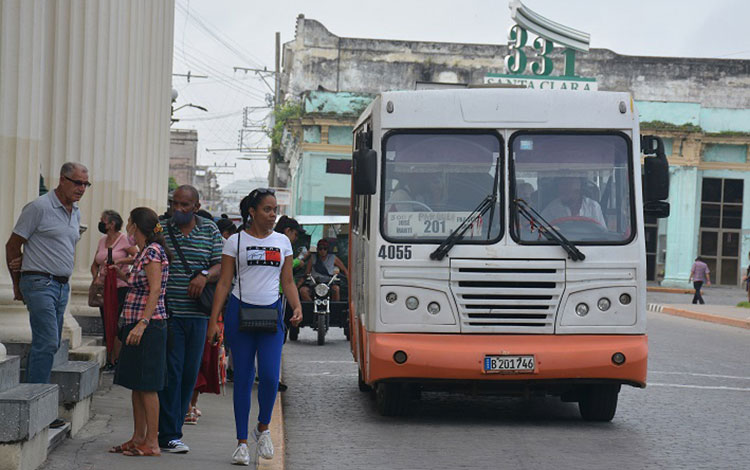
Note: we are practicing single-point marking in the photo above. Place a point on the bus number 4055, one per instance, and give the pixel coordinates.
(394, 252)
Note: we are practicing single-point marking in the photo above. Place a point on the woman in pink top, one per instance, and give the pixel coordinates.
(123, 251)
(698, 275)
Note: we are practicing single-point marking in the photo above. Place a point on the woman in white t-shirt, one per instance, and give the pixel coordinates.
(265, 259)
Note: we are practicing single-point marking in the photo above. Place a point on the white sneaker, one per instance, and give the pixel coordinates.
(265, 446)
(176, 446)
(241, 455)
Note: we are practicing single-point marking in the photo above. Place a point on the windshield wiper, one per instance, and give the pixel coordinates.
(546, 229)
(457, 234)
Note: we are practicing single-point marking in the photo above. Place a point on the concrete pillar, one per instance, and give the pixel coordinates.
(86, 81)
(683, 225)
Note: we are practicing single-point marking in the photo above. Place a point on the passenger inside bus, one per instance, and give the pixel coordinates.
(571, 202)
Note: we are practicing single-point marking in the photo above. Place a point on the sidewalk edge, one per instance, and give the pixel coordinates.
(278, 438)
(706, 317)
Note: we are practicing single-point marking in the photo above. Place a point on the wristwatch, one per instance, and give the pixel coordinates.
(144, 321)
(204, 272)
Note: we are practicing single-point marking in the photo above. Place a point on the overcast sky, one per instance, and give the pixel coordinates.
(218, 35)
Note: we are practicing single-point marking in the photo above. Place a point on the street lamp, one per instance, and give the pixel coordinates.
(175, 94)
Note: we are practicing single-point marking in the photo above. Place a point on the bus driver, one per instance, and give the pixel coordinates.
(572, 203)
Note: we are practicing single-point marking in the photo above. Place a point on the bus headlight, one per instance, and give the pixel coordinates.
(625, 299)
(321, 290)
(412, 303)
(604, 304)
(391, 297)
(433, 308)
(582, 309)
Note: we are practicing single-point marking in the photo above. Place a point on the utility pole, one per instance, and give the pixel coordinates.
(276, 103)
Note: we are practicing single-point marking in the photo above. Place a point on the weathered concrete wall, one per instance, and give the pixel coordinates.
(317, 58)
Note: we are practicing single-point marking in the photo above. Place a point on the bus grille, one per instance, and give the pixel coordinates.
(507, 296)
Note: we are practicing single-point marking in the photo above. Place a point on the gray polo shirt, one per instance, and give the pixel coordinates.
(51, 235)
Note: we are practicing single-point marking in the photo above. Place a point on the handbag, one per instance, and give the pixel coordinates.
(206, 300)
(254, 319)
(96, 294)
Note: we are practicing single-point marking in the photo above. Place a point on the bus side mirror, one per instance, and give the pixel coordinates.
(655, 177)
(365, 171)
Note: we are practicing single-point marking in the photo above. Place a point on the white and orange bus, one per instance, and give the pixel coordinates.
(497, 245)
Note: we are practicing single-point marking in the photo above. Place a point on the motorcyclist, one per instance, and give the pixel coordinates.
(321, 265)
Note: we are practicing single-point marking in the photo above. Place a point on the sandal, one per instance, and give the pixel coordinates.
(141, 452)
(197, 412)
(122, 447)
(191, 418)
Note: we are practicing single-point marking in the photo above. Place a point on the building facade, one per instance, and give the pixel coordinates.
(701, 107)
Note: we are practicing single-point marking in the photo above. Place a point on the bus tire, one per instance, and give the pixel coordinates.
(363, 387)
(392, 398)
(599, 402)
(321, 330)
(293, 333)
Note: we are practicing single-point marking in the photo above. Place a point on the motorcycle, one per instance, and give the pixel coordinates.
(322, 312)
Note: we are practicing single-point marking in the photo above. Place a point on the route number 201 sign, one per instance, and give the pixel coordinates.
(415, 225)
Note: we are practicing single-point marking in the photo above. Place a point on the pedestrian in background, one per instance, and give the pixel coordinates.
(143, 359)
(48, 229)
(261, 258)
(196, 245)
(116, 247)
(746, 280)
(699, 274)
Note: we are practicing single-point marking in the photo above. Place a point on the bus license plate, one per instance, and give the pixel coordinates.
(509, 364)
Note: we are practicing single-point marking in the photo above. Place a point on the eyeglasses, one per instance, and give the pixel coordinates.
(85, 184)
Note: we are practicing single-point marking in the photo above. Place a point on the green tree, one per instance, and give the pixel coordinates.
(172, 184)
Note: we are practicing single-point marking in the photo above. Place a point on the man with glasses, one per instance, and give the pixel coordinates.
(48, 231)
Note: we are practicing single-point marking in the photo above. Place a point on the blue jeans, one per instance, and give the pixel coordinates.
(186, 338)
(245, 347)
(46, 300)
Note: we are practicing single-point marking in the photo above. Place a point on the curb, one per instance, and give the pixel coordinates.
(706, 317)
(277, 436)
(670, 290)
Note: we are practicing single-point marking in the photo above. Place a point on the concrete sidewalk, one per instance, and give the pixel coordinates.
(211, 441)
(723, 314)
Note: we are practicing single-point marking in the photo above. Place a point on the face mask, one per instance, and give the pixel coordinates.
(182, 218)
(102, 227)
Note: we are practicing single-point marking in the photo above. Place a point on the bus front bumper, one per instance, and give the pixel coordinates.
(452, 357)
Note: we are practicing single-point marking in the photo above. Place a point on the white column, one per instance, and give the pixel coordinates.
(93, 85)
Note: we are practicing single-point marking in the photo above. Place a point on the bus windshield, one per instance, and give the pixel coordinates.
(580, 183)
(434, 180)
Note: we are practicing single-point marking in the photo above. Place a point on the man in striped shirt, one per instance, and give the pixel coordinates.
(200, 242)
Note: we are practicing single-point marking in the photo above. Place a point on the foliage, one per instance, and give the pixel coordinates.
(668, 126)
(282, 114)
(172, 184)
(744, 304)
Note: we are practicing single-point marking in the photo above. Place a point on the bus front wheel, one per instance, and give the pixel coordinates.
(598, 402)
(392, 398)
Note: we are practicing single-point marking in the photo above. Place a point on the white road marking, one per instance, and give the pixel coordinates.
(326, 374)
(695, 374)
(700, 387)
(329, 362)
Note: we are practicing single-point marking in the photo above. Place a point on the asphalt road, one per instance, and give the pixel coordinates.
(695, 413)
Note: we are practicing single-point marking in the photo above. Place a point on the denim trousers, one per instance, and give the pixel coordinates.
(186, 338)
(45, 300)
